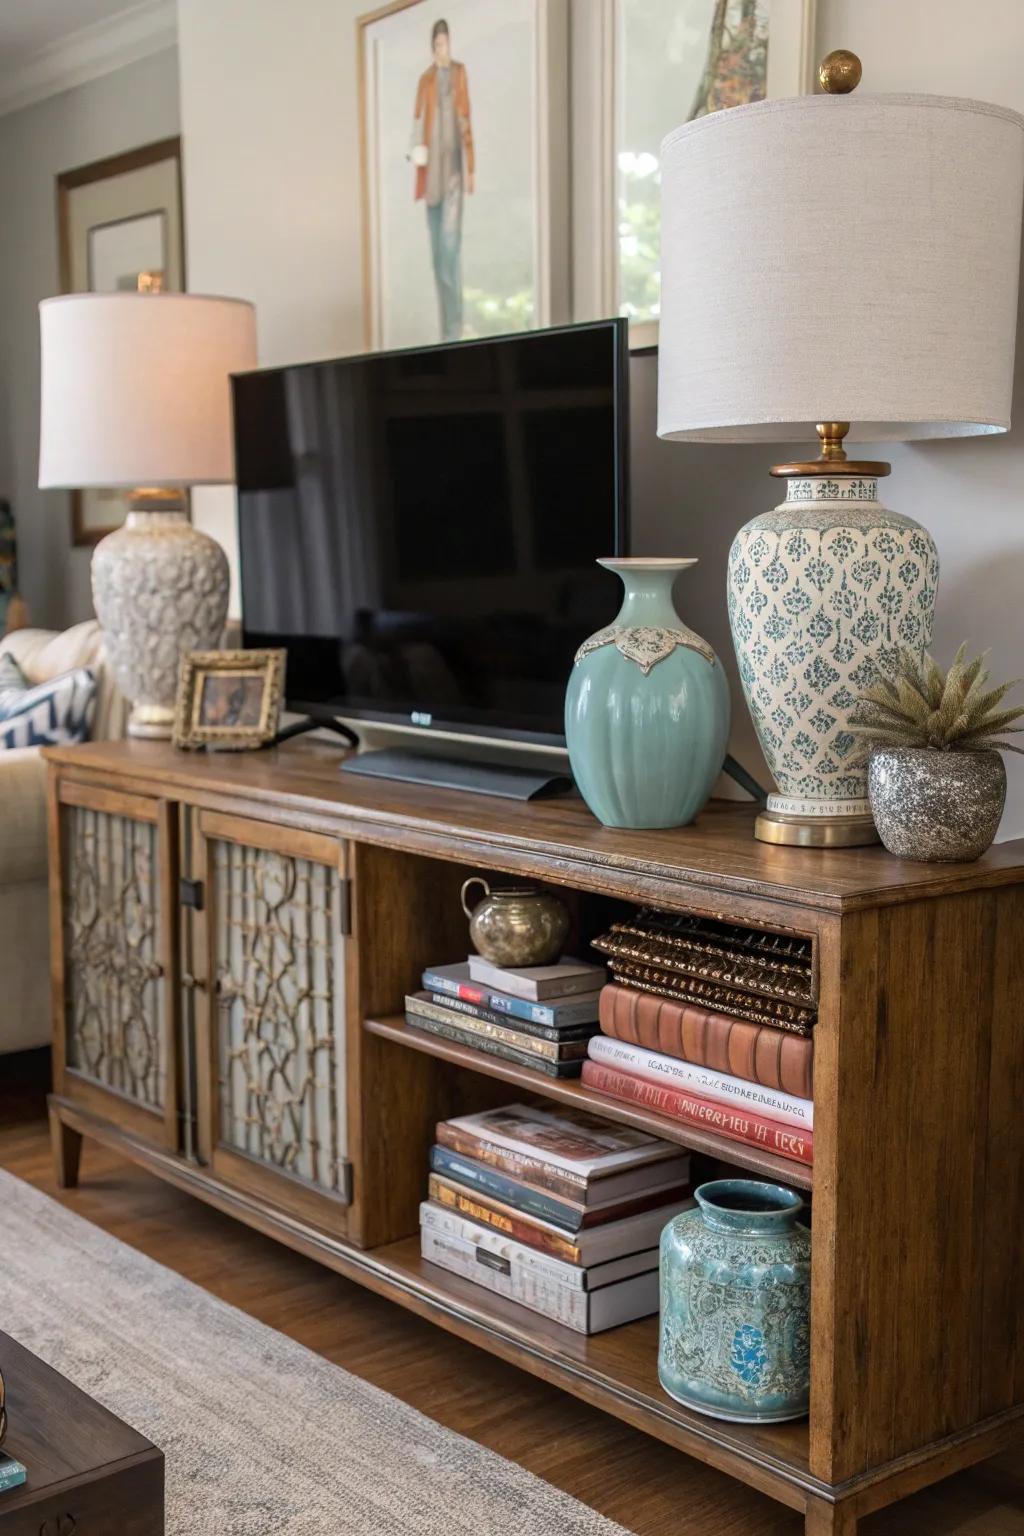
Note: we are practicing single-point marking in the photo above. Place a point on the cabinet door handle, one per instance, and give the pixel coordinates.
(193, 983)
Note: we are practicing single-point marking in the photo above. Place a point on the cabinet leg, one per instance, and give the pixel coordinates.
(824, 1519)
(66, 1147)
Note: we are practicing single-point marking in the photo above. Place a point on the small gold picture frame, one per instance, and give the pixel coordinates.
(229, 701)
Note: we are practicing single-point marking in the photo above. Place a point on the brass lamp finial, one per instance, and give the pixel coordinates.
(839, 72)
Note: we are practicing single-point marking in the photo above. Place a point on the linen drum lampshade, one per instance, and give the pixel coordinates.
(846, 264)
(135, 388)
(136, 395)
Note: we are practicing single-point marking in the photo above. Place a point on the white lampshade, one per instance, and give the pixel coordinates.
(840, 258)
(135, 388)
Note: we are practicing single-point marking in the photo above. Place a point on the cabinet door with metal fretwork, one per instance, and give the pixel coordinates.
(270, 920)
(113, 931)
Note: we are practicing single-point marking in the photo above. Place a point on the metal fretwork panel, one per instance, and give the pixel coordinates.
(115, 995)
(279, 1002)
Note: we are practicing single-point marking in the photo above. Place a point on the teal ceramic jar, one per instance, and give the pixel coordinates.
(735, 1304)
(647, 707)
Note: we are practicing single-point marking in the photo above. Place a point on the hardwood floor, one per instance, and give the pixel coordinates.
(648, 1488)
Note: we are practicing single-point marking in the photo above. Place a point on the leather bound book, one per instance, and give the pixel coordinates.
(775, 1058)
(698, 993)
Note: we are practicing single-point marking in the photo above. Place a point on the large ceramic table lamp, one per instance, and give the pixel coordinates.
(136, 395)
(846, 265)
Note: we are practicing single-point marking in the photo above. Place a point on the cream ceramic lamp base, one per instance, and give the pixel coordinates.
(823, 592)
(160, 589)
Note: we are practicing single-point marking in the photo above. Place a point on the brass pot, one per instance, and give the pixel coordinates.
(519, 925)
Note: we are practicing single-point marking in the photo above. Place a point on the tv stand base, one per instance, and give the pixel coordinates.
(512, 783)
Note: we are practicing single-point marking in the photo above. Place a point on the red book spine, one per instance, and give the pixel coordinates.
(736, 1124)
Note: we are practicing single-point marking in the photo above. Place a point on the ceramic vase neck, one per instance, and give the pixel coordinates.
(144, 522)
(831, 488)
(747, 1207)
(647, 601)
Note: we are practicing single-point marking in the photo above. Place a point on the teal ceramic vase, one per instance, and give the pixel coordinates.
(647, 707)
(735, 1304)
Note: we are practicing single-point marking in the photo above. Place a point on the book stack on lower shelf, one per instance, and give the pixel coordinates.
(710, 1024)
(555, 1209)
(535, 1016)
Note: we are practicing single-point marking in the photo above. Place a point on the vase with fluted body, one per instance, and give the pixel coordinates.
(647, 707)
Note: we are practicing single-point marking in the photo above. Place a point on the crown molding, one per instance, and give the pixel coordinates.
(86, 54)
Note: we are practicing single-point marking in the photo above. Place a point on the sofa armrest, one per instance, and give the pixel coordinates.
(22, 816)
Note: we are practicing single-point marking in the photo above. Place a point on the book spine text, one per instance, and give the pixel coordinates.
(735, 1124)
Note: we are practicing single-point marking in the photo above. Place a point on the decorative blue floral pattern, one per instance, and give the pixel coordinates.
(749, 1358)
(823, 590)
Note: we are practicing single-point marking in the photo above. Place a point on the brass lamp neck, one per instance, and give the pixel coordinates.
(830, 435)
(157, 498)
(832, 460)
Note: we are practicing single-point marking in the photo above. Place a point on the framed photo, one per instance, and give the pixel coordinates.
(119, 229)
(465, 175)
(229, 701)
(652, 65)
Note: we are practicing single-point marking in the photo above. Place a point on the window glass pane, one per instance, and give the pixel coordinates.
(676, 60)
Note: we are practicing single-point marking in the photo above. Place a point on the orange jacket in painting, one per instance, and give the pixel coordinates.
(426, 110)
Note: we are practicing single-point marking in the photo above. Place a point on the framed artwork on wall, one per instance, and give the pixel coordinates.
(647, 67)
(464, 146)
(119, 228)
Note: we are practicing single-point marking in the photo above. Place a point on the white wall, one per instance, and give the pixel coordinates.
(270, 119)
(969, 493)
(134, 105)
(271, 123)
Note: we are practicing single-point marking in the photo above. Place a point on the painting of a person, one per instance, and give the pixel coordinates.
(442, 153)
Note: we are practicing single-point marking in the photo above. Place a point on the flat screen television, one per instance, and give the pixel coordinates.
(419, 529)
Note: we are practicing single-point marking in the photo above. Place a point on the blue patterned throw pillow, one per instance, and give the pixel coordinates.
(50, 714)
(13, 682)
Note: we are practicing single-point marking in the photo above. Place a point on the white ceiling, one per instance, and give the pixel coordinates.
(48, 46)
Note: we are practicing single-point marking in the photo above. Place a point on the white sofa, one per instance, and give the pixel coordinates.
(25, 1019)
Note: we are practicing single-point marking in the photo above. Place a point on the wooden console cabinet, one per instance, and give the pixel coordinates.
(232, 938)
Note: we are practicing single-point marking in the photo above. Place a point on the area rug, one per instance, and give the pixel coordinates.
(261, 1436)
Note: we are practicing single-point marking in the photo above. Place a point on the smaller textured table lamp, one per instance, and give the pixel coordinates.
(136, 395)
(845, 264)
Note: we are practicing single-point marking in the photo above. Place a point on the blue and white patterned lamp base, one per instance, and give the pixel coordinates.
(824, 591)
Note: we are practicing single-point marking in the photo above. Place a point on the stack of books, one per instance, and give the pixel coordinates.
(555, 1209)
(537, 1016)
(743, 1068)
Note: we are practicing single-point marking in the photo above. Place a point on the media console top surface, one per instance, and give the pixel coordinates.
(549, 839)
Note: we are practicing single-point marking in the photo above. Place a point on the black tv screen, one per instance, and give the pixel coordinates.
(419, 529)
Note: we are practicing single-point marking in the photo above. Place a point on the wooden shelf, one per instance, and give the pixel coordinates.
(571, 1091)
(617, 1370)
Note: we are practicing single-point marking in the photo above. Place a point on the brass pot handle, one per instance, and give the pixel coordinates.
(473, 880)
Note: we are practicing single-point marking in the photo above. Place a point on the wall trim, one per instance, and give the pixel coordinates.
(89, 52)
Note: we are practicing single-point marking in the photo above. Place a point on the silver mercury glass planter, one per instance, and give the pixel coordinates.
(936, 806)
(160, 589)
